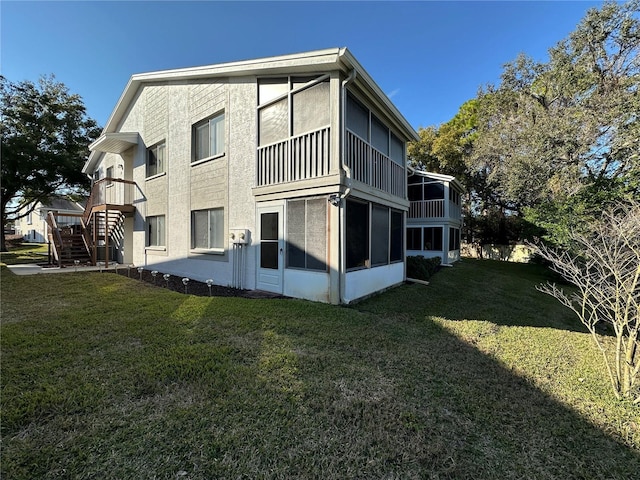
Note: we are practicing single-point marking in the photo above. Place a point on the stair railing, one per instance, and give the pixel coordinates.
(55, 235)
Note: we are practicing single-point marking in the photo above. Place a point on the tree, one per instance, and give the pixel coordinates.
(45, 137)
(604, 268)
(553, 134)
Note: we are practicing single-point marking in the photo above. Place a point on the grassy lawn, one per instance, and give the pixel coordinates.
(475, 376)
(24, 253)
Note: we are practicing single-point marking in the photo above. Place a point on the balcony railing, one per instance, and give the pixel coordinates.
(426, 209)
(110, 191)
(298, 158)
(373, 167)
(307, 156)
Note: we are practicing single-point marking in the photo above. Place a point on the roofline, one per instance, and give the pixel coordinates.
(333, 58)
(440, 176)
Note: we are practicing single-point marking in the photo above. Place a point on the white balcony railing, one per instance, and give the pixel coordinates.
(297, 158)
(426, 209)
(307, 156)
(373, 167)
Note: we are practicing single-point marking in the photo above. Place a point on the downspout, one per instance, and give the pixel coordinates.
(347, 171)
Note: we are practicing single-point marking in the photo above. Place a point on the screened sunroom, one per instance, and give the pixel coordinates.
(434, 220)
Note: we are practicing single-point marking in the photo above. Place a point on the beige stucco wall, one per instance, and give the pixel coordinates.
(167, 112)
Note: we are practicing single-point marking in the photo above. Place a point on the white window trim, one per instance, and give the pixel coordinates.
(208, 159)
(207, 120)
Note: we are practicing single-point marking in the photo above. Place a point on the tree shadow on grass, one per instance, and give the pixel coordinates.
(351, 394)
(499, 292)
(237, 388)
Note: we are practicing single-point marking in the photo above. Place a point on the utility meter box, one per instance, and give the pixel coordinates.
(239, 235)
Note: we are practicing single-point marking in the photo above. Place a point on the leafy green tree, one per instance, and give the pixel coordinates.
(560, 141)
(45, 137)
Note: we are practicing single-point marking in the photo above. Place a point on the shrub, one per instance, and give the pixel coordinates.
(422, 268)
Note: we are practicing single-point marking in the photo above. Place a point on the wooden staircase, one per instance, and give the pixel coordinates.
(100, 227)
(68, 243)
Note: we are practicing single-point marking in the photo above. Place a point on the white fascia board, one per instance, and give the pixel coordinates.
(294, 63)
(328, 59)
(439, 176)
(92, 161)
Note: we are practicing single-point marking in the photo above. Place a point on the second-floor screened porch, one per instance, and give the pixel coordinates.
(303, 136)
(433, 196)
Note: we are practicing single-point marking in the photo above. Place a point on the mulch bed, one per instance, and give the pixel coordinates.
(194, 287)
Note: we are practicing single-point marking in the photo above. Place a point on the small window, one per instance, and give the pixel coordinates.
(156, 159)
(414, 238)
(208, 138)
(109, 175)
(433, 239)
(207, 229)
(155, 231)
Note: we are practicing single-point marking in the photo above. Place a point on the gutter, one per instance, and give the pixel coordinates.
(339, 199)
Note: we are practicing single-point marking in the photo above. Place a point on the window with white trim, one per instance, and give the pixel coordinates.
(156, 231)
(156, 156)
(207, 229)
(209, 138)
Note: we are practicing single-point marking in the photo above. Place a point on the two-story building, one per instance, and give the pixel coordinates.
(435, 217)
(33, 225)
(286, 174)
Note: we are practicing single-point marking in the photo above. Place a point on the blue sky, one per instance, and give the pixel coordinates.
(429, 57)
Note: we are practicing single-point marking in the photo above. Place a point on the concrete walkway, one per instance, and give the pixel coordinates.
(34, 269)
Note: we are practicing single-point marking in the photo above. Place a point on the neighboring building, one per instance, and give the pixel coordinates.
(286, 174)
(435, 218)
(33, 226)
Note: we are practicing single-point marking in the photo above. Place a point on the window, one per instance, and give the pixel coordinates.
(208, 138)
(307, 234)
(357, 233)
(156, 159)
(454, 238)
(207, 229)
(414, 238)
(109, 175)
(155, 231)
(433, 239)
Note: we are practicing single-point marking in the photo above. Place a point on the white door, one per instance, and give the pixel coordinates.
(270, 248)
